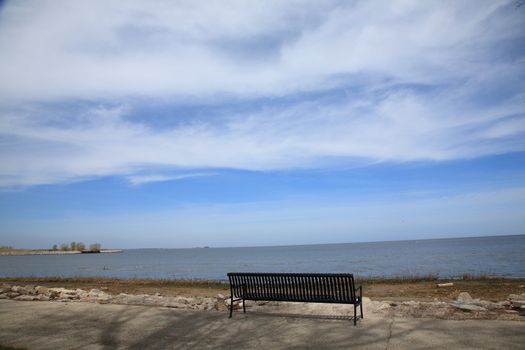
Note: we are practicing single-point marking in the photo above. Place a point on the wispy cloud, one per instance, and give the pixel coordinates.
(324, 83)
(137, 180)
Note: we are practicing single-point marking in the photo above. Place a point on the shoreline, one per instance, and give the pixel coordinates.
(408, 288)
(468, 301)
(16, 252)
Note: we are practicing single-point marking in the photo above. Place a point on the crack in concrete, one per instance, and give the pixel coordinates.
(389, 334)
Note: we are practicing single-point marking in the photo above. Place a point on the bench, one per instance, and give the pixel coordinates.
(300, 287)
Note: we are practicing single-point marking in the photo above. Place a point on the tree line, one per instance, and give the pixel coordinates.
(77, 246)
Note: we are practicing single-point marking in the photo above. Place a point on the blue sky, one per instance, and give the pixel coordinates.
(181, 123)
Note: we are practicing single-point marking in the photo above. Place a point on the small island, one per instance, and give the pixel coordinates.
(72, 248)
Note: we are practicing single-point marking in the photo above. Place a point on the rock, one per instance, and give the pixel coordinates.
(12, 295)
(468, 307)
(438, 304)
(229, 301)
(30, 290)
(518, 303)
(43, 297)
(69, 292)
(510, 311)
(41, 290)
(182, 300)
(444, 285)
(18, 289)
(464, 298)
(26, 298)
(504, 303)
(384, 306)
(157, 294)
(52, 294)
(97, 295)
(3, 296)
(514, 297)
(410, 303)
(220, 296)
(487, 304)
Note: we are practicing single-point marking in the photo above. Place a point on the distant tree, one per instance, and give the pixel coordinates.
(64, 247)
(81, 246)
(55, 247)
(73, 246)
(95, 247)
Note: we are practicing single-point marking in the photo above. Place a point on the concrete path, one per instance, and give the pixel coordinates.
(54, 325)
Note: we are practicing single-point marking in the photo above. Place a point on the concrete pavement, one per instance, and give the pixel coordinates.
(54, 325)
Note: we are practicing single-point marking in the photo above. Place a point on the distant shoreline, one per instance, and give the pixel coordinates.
(52, 252)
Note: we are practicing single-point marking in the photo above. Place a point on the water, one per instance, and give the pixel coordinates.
(495, 256)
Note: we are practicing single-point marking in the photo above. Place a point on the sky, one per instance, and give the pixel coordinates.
(241, 123)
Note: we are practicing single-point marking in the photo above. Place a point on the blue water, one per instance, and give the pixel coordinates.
(495, 256)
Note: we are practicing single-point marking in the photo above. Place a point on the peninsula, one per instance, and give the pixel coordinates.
(73, 248)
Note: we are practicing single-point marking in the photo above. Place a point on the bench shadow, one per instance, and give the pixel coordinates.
(300, 316)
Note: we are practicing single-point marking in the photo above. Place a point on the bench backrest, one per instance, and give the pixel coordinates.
(313, 287)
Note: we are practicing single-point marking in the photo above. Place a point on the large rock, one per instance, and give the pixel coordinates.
(468, 307)
(464, 298)
(41, 290)
(29, 289)
(98, 295)
(12, 295)
(18, 289)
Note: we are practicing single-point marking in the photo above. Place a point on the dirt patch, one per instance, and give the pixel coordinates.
(486, 289)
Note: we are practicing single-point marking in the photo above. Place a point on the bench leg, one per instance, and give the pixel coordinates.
(361, 307)
(243, 306)
(355, 314)
(231, 306)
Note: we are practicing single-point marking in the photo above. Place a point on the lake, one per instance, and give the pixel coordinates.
(496, 256)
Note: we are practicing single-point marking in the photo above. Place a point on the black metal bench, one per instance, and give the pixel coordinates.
(301, 287)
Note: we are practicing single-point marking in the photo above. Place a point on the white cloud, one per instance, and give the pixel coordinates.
(137, 180)
(100, 49)
(423, 81)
